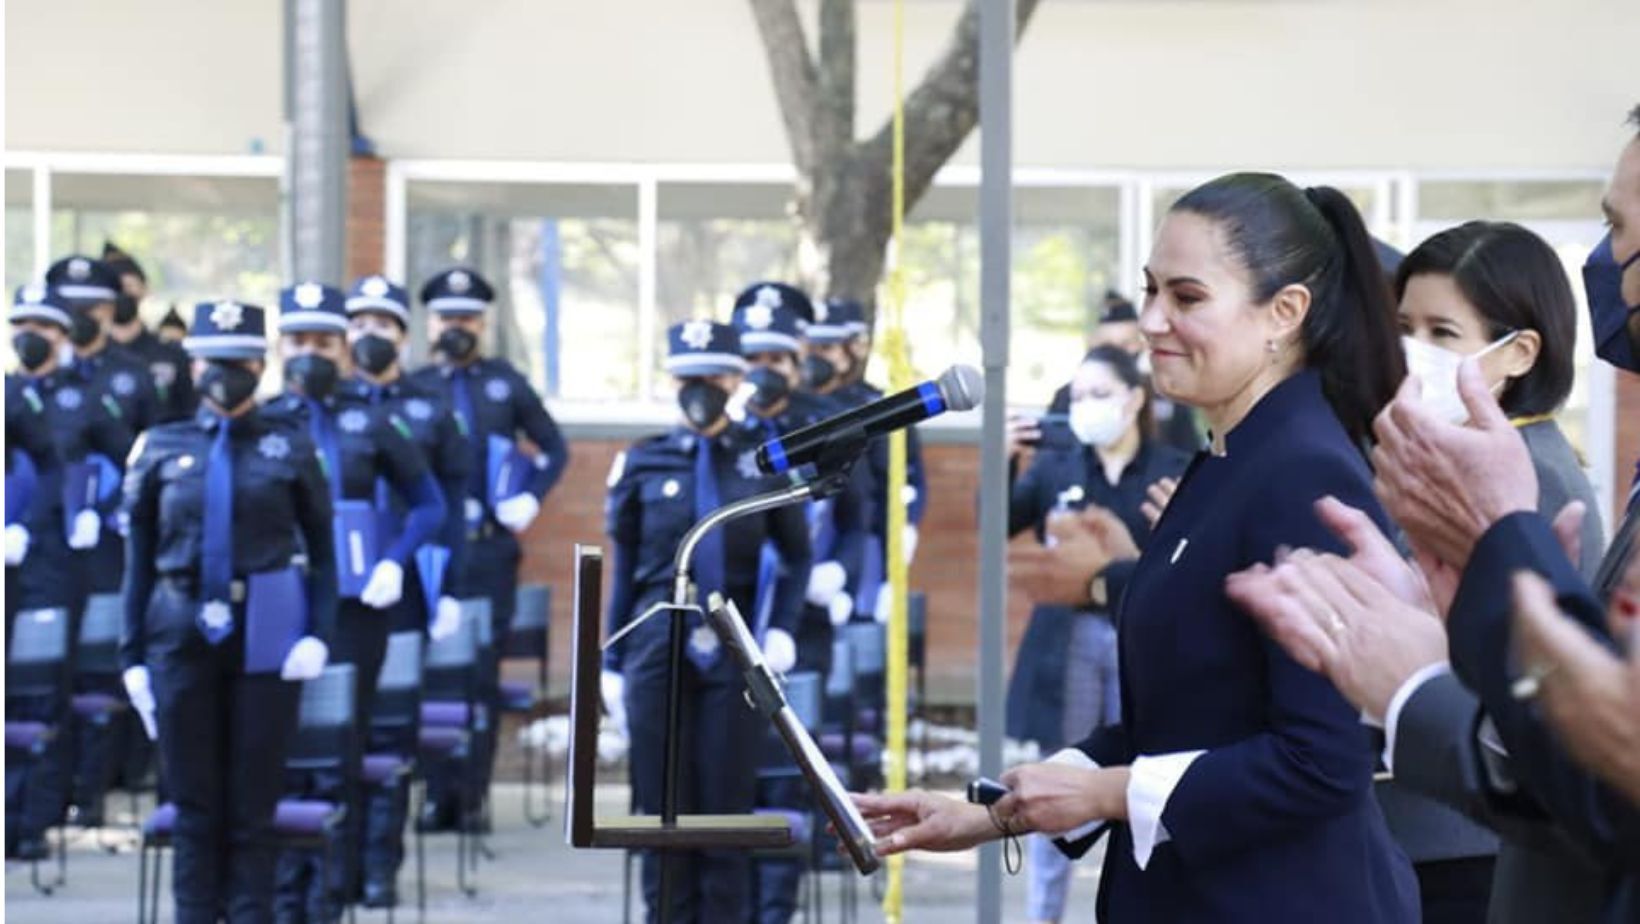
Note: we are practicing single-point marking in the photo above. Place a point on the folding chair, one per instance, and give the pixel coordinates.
(37, 708)
(452, 721)
(528, 639)
(100, 709)
(389, 766)
(324, 740)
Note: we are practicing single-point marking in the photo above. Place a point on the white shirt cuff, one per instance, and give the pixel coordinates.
(1151, 781)
(1403, 693)
(1072, 757)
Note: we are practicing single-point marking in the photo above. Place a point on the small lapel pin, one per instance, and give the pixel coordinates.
(1178, 551)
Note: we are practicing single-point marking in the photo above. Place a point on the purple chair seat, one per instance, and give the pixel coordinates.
(441, 742)
(291, 817)
(867, 719)
(444, 713)
(304, 817)
(161, 822)
(97, 705)
(863, 750)
(26, 736)
(381, 769)
(517, 697)
(799, 822)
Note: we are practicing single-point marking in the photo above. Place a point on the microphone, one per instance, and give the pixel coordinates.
(959, 388)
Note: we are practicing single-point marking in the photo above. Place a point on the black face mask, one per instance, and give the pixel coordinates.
(313, 375)
(125, 309)
(456, 343)
(32, 347)
(818, 371)
(375, 353)
(83, 329)
(227, 383)
(772, 388)
(702, 403)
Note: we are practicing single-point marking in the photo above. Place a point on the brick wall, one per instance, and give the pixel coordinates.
(945, 569)
(366, 216)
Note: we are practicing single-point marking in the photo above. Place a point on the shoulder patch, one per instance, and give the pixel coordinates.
(69, 399)
(353, 420)
(497, 389)
(419, 409)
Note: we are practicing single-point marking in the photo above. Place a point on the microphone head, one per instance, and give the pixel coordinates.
(962, 387)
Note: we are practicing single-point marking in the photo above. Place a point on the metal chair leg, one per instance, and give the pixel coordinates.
(142, 884)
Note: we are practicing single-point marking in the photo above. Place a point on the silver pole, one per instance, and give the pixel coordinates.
(317, 134)
(996, 63)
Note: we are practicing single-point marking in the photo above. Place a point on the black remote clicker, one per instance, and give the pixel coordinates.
(984, 791)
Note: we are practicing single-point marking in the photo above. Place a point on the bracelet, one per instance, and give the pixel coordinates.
(1013, 856)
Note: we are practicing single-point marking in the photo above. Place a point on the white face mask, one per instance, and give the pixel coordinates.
(1098, 421)
(1437, 370)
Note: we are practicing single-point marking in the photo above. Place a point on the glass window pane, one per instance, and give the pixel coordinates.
(1065, 253)
(197, 238)
(19, 228)
(713, 239)
(1457, 201)
(564, 260)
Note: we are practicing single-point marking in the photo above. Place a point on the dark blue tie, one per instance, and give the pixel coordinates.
(384, 496)
(464, 408)
(216, 559)
(707, 563)
(324, 435)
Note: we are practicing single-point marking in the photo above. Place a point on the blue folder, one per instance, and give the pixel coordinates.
(508, 472)
(275, 617)
(431, 563)
(357, 545)
(107, 476)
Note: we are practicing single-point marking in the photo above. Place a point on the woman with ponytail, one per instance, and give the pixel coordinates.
(1238, 785)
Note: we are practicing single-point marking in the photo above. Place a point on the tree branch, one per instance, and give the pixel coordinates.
(943, 108)
(796, 83)
(837, 57)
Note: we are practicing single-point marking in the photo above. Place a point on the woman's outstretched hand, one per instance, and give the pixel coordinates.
(918, 820)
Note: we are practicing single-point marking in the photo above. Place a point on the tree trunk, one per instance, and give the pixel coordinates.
(844, 190)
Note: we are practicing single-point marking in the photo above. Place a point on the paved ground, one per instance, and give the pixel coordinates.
(534, 877)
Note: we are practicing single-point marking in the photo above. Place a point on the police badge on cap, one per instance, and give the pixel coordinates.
(457, 291)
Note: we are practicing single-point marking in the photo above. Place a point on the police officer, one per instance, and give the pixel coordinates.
(378, 323)
(658, 489)
(92, 287)
(31, 456)
(496, 404)
(366, 450)
(166, 362)
(838, 529)
(219, 618)
(839, 345)
(62, 526)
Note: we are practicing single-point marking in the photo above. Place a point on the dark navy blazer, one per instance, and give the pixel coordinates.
(1276, 821)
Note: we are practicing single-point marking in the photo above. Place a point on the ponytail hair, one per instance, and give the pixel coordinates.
(1283, 235)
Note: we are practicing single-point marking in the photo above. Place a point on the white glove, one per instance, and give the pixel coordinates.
(517, 512)
(779, 651)
(306, 659)
(612, 689)
(86, 531)
(140, 689)
(386, 585)
(908, 543)
(826, 581)
(840, 609)
(16, 544)
(446, 618)
(885, 603)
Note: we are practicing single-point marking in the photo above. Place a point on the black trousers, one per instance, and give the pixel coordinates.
(720, 738)
(222, 742)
